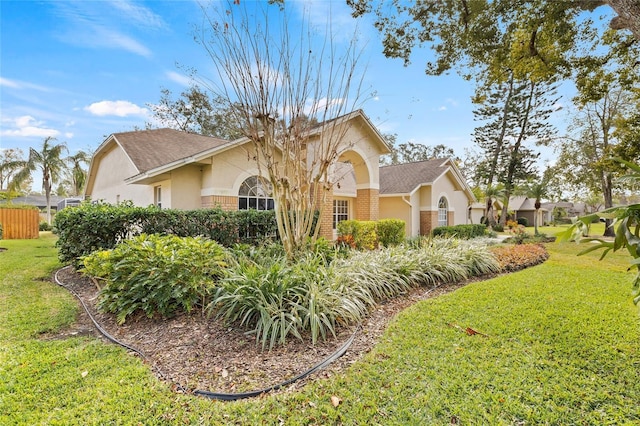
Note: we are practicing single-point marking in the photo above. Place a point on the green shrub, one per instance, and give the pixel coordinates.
(44, 226)
(99, 226)
(363, 232)
(391, 232)
(1, 231)
(156, 274)
(19, 206)
(460, 231)
(523, 221)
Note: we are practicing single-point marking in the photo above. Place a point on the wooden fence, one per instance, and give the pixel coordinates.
(19, 224)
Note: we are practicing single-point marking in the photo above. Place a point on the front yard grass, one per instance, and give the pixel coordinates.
(559, 344)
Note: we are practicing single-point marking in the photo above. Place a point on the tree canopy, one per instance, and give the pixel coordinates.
(538, 38)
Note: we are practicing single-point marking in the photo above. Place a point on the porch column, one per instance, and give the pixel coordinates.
(367, 204)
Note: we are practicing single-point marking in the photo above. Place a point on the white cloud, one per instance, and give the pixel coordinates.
(17, 84)
(104, 25)
(442, 108)
(178, 78)
(139, 14)
(26, 126)
(117, 108)
(69, 135)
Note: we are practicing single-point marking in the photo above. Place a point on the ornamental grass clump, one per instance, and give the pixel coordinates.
(158, 275)
(277, 298)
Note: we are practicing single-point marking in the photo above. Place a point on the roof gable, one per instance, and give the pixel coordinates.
(404, 178)
(149, 149)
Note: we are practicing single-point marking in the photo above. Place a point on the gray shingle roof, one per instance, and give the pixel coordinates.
(404, 178)
(149, 149)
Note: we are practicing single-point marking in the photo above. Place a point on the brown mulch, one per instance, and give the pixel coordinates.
(202, 353)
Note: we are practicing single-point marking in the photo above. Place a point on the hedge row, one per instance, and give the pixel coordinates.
(100, 226)
(465, 232)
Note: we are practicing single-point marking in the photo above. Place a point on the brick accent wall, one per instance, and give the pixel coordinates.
(326, 218)
(367, 204)
(450, 218)
(225, 202)
(428, 221)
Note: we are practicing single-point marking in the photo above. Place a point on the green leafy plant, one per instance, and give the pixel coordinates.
(626, 222)
(156, 274)
(390, 231)
(364, 233)
(1, 231)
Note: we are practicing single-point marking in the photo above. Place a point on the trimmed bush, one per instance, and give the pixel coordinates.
(158, 275)
(364, 233)
(391, 232)
(465, 232)
(523, 221)
(100, 226)
(44, 226)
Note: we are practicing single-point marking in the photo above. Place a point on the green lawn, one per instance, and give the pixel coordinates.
(563, 347)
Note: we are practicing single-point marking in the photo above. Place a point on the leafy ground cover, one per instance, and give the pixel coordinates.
(557, 343)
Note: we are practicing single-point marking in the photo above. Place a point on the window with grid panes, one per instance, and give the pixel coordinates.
(340, 211)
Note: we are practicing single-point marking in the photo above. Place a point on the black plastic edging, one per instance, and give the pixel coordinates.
(208, 394)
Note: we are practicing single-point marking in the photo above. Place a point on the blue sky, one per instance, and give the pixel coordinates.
(81, 70)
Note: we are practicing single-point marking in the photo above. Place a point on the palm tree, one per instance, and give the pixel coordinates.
(538, 191)
(50, 162)
(78, 175)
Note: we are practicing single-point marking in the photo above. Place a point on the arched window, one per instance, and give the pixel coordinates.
(255, 193)
(443, 212)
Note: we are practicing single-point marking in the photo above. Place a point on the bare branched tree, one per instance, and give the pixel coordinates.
(289, 91)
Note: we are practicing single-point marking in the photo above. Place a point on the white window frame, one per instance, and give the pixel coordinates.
(157, 196)
(255, 193)
(340, 211)
(443, 212)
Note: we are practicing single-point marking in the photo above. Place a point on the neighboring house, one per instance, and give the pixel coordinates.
(39, 201)
(425, 194)
(524, 207)
(566, 209)
(174, 169)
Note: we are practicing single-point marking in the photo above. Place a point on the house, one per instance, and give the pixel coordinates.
(524, 207)
(174, 169)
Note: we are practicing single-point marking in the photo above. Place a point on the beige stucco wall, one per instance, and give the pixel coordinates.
(397, 208)
(112, 167)
(457, 199)
(227, 171)
(185, 188)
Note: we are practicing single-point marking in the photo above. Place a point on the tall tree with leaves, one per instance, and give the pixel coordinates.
(196, 111)
(515, 116)
(77, 173)
(280, 79)
(50, 161)
(410, 152)
(11, 161)
(539, 36)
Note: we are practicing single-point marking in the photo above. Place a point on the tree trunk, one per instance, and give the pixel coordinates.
(608, 203)
(628, 16)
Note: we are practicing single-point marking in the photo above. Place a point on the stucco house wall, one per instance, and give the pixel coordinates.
(110, 169)
(394, 207)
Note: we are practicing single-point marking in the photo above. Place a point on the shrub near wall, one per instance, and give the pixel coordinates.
(390, 232)
(366, 234)
(101, 226)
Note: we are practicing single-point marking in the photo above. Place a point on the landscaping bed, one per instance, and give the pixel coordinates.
(191, 351)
